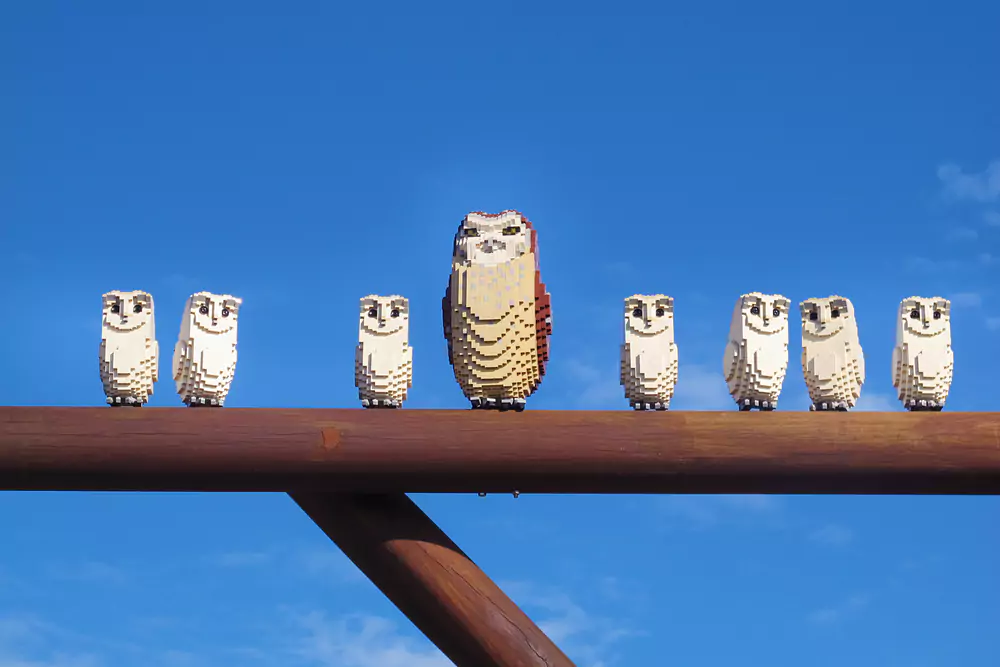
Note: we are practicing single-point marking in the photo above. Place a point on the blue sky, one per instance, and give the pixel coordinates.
(301, 160)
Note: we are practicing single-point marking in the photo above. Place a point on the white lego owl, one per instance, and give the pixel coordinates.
(129, 353)
(756, 356)
(497, 317)
(649, 354)
(383, 360)
(922, 361)
(833, 363)
(205, 354)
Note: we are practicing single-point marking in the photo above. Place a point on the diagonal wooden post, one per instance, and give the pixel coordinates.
(433, 582)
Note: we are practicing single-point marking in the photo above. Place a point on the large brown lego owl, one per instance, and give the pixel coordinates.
(497, 316)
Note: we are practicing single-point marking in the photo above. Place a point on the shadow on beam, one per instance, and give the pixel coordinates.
(465, 451)
(431, 580)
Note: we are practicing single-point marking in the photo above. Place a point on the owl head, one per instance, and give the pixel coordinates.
(764, 313)
(127, 311)
(488, 239)
(213, 313)
(384, 315)
(924, 316)
(823, 318)
(649, 314)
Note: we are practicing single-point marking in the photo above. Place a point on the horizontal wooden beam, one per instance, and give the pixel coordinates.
(392, 451)
(433, 582)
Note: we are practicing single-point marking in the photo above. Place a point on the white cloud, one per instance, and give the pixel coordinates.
(596, 389)
(874, 402)
(959, 234)
(586, 638)
(703, 511)
(363, 641)
(839, 612)
(966, 300)
(699, 387)
(976, 186)
(833, 535)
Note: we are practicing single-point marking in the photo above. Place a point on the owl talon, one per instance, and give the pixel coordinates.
(365, 403)
(506, 404)
(517, 493)
(477, 403)
(490, 404)
(519, 405)
(482, 494)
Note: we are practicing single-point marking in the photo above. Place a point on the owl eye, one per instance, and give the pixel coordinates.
(225, 312)
(776, 312)
(813, 316)
(372, 312)
(637, 312)
(937, 314)
(471, 231)
(754, 310)
(394, 312)
(115, 308)
(511, 230)
(835, 313)
(137, 308)
(203, 310)
(914, 314)
(659, 312)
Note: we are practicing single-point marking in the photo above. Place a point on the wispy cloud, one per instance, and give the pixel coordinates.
(966, 299)
(839, 612)
(982, 187)
(241, 558)
(587, 638)
(959, 234)
(703, 511)
(363, 641)
(870, 401)
(992, 218)
(700, 387)
(89, 572)
(28, 641)
(832, 534)
(597, 389)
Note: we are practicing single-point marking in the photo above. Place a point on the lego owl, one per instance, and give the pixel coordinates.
(383, 360)
(756, 356)
(497, 315)
(922, 361)
(833, 363)
(205, 353)
(129, 352)
(649, 354)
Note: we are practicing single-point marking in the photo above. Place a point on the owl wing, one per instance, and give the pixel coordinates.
(409, 367)
(897, 366)
(623, 373)
(180, 351)
(730, 360)
(446, 317)
(358, 364)
(543, 322)
(859, 367)
(155, 362)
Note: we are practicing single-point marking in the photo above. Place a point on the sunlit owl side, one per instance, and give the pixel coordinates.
(205, 353)
(496, 313)
(833, 362)
(649, 358)
(922, 361)
(756, 355)
(129, 353)
(383, 359)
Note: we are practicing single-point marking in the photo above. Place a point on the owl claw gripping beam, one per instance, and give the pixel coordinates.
(497, 314)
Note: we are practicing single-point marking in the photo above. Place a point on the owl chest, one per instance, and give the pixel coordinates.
(213, 357)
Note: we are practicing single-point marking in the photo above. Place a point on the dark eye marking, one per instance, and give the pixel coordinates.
(511, 230)
(203, 310)
(225, 312)
(660, 312)
(937, 314)
(755, 310)
(394, 312)
(637, 312)
(137, 308)
(915, 314)
(115, 308)
(776, 312)
(471, 231)
(372, 312)
(813, 316)
(835, 312)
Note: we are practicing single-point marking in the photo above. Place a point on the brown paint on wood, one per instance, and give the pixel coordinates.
(392, 451)
(433, 582)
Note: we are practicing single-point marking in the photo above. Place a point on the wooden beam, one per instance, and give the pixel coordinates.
(433, 582)
(393, 451)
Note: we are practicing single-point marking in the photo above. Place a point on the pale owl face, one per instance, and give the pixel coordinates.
(765, 313)
(214, 313)
(127, 311)
(649, 315)
(822, 318)
(384, 315)
(923, 316)
(492, 239)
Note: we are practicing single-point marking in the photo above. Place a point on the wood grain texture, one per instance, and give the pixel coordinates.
(392, 451)
(433, 582)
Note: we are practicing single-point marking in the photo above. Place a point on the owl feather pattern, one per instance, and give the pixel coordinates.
(649, 356)
(833, 362)
(756, 356)
(496, 312)
(129, 353)
(204, 361)
(383, 362)
(923, 361)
